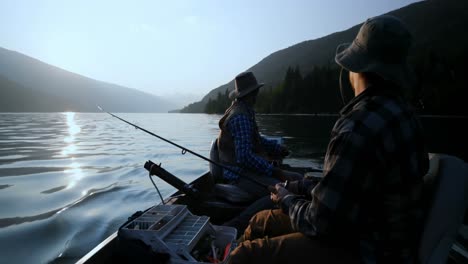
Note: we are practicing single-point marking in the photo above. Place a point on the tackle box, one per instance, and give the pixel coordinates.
(174, 230)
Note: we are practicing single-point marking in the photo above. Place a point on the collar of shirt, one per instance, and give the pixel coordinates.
(249, 108)
(370, 91)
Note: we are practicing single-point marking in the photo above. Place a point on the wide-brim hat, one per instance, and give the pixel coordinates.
(244, 84)
(380, 47)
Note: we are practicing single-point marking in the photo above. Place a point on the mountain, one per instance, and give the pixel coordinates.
(437, 26)
(30, 85)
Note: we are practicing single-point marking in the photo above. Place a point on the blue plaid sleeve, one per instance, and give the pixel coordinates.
(242, 129)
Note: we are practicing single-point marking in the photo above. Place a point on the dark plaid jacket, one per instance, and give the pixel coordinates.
(371, 191)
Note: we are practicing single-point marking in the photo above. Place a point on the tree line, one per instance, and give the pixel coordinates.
(440, 87)
(316, 92)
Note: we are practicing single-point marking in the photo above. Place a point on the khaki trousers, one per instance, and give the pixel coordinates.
(269, 238)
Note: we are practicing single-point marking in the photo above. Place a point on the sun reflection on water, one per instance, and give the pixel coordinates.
(73, 129)
(74, 170)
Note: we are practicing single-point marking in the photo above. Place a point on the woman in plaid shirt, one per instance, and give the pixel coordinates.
(242, 148)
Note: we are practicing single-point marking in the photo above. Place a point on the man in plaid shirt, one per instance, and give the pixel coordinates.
(368, 206)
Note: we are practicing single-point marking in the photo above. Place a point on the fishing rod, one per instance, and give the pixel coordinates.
(185, 150)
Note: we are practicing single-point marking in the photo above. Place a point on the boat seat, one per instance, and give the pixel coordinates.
(448, 178)
(228, 192)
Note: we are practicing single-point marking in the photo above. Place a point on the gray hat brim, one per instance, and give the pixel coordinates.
(354, 58)
(234, 94)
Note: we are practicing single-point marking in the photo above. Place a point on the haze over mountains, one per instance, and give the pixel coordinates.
(30, 85)
(438, 28)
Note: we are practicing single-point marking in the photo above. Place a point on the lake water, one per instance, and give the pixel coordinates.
(68, 181)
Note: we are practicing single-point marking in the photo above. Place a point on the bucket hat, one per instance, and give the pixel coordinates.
(381, 47)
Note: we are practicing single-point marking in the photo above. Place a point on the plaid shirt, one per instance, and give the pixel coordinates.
(371, 191)
(242, 130)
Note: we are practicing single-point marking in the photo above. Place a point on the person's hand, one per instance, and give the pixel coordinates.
(280, 193)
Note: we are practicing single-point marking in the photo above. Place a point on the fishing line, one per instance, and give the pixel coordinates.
(155, 186)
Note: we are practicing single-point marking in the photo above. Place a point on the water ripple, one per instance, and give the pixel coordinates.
(4, 222)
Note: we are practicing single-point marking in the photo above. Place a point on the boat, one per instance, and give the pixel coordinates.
(444, 238)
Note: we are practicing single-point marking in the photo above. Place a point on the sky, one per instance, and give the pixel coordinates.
(177, 48)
